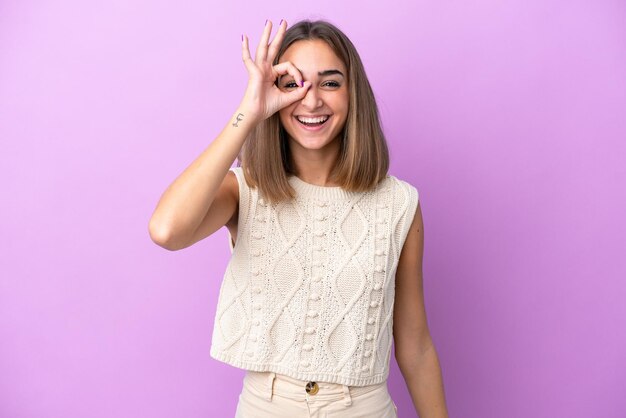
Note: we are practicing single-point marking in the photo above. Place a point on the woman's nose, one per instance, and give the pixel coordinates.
(312, 99)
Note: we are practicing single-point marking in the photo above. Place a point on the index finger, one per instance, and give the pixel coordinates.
(277, 41)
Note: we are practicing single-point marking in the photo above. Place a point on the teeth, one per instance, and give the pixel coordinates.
(312, 120)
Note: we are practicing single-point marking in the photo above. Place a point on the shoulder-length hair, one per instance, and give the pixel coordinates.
(363, 159)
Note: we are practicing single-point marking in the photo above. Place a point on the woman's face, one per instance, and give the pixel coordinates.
(327, 97)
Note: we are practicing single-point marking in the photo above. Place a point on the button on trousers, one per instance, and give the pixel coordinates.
(274, 395)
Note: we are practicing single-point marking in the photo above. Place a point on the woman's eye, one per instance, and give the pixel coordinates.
(328, 83)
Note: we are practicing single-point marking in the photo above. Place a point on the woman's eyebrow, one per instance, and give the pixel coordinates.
(320, 73)
(330, 72)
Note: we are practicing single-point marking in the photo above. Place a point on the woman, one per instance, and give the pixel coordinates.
(327, 247)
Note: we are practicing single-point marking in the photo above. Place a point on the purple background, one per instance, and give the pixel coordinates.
(508, 116)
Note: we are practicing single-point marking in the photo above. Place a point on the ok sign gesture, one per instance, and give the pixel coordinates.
(262, 97)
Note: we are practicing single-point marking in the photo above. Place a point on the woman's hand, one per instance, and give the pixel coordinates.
(262, 97)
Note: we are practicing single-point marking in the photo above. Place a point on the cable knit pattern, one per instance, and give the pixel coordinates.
(309, 289)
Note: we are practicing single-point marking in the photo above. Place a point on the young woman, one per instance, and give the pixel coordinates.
(326, 246)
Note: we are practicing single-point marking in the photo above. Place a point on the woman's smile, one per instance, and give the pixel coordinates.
(313, 124)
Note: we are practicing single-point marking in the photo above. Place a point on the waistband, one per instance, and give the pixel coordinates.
(271, 383)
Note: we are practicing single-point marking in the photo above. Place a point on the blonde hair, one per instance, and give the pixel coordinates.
(363, 159)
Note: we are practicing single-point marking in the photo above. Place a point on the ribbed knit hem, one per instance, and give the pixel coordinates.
(319, 192)
(313, 376)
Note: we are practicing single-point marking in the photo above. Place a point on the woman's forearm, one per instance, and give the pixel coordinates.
(423, 377)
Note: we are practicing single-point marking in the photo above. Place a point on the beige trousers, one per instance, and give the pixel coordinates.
(273, 395)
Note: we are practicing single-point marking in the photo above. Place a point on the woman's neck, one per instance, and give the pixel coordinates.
(315, 166)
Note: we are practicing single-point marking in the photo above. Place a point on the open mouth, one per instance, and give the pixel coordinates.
(313, 122)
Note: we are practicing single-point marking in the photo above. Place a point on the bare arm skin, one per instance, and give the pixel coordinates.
(414, 349)
(205, 196)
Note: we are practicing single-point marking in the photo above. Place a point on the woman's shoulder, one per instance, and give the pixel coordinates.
(405, 199)
(401, 183)
(241, 178)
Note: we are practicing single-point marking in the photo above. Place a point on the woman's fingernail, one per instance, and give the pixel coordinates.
(266, 22)
(302, 83)
(242, 38)
(281, 22)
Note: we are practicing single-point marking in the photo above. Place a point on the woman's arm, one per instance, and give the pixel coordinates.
(203, 198)
(414, 349)
(182, 213)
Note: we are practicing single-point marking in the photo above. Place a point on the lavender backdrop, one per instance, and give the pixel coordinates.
(508, 116)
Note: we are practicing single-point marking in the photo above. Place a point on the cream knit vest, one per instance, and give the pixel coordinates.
(309, 289)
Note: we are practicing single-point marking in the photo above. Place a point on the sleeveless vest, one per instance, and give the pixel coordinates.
(309, 289)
